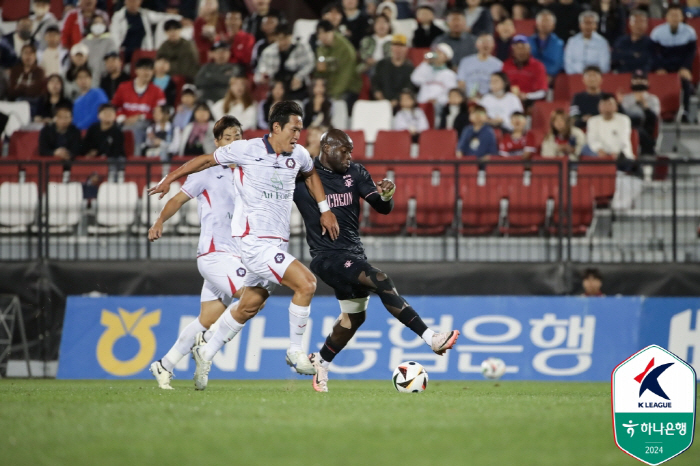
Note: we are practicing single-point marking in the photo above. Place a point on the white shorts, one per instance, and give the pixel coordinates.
(266, 260)
(223, 275)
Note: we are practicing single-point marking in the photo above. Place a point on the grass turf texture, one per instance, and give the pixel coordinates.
(50, 422)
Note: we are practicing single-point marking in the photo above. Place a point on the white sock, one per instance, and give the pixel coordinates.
(428, 337)
(228, 329)
(183, 345)
(215, 325)
(298, 318)
(325, 364)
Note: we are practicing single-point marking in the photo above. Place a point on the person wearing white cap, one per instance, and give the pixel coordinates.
(79, 54)
(435, 78)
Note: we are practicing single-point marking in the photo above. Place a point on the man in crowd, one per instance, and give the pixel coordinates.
(337, 63)
(609, 134)
(356, 22)
(587, 47)
(427, 31)
(21, 37)
(393, 73)
(114, 74)
(242, 43)
(181, 53)
(585, 104)
(60, 139)
(592, 283)
(634, 51)
(213, 78)
(460, 41)
(527, 75)
(76, 23)
(644, 110)
(87, 105)
(435, 78)
(474, 72)
(545, 45)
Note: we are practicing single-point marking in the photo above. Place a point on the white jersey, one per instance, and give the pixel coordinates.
(216, 198)
(267, 183)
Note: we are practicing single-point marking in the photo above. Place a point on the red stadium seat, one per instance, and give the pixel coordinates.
(255, 133)
(392, 145)
(138, 173)
(542, 111)
(524, 26)
(667, 87)
(24, 144)
(527, 203)
(566, 85)
(366, 90)
(602, 177)
(139, 54)
(358, 141)
(57, 8)
(179, 82)
(11, 171)
(259, 91)
(429, 111)
(417, 54)
(14, 10)
(480, 202)
(80, 170)
(437, 144)
(180, 159)
(129, 144)
(433, 189)
(393, 223)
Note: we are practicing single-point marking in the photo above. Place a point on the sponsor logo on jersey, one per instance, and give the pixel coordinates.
(339, 200)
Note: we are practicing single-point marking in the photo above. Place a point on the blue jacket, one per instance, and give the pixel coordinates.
(673, 51)
(479, 143)
(550, 52)
(86, 108)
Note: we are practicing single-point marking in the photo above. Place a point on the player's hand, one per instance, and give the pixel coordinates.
(163, 187)
(386, 188)
(156, 231)
(329, 224)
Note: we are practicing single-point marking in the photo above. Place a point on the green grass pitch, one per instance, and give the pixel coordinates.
(75, 423)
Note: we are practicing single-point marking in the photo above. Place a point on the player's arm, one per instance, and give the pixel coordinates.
(169, 209)
(197, 164)
(382, 201)
(328, 221)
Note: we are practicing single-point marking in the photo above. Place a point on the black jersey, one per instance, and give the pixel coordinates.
(343, 193)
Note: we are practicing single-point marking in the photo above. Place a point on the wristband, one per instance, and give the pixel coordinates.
(323, 206)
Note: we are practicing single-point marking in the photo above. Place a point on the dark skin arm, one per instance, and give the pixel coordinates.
(328, 221)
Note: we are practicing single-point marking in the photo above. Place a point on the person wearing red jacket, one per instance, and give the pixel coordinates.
(135, 101)
(241, 42)
(77, 22)
(527, 75)
(209, 27)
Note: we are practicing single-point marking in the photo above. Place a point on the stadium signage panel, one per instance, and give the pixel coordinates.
(539, 338)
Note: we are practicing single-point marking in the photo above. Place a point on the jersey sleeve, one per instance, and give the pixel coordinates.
(306, 162)
(365, 184)
(194, 185)
(231, 153)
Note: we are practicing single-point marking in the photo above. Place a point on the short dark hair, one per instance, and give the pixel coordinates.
(284, 29)
(325, 26)
(224, 123)
(455, 11)
(106, 106)
(28, 46)
(674, 6)
(83, 69)
(52, 28)
(68, 107)
(517, 114)
(332, 6)
(592, 272)
(172, 24)
(607, 96)
(478, 108)
(592, 68)
(281, 111)
(506, 80)
(144, 62)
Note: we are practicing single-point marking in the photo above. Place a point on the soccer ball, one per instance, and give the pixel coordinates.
(410, 377)
(493, 368)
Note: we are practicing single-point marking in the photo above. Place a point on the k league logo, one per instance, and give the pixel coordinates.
(279, 258)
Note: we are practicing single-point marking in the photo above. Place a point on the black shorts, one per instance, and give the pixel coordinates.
(341, 271)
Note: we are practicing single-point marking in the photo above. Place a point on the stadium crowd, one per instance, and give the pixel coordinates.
(164, 71)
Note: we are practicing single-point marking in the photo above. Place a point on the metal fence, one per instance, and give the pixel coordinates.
(500, 211)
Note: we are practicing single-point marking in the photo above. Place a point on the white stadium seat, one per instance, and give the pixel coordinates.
(18, 204)
(116, 207)
(371, 116)
(65, 202)
(339, 114)
(406, 27)
(304, 29)
(19, 115)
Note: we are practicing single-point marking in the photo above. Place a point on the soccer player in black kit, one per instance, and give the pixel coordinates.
(342, 263)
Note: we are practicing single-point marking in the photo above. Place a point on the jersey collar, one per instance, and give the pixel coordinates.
(269, 148)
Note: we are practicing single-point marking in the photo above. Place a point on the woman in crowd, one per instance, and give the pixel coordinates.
(198, 137)
(53, 97)
(276, 94)
(317, 108)
(239, 102)
(500, 103)
(563, 139)
(455, 115)
(377, 46)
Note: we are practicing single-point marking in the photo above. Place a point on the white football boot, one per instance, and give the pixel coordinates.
(201, 370)
(199, 339)
(444, 341)
(300, 362)
(320, 380)
(163, 376)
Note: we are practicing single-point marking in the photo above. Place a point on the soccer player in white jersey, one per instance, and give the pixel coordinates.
(218, 253)
(269, 167)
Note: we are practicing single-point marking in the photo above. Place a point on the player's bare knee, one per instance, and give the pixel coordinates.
(307, 287)
(245, 313)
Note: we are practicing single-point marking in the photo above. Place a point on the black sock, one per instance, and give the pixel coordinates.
(410, 318)
(328, 350)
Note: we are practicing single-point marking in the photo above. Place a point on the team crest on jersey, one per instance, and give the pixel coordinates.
(291, 163)
(240, 272)
(279, 258)
(347, 179)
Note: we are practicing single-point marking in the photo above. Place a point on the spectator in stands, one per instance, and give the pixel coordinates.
(474, 72)
(253, 22)
(186, 108)
(99, 43)
(505, 31)
(313, 140)
(392, 74)
(318, 107)
(21, 37)
(51, 99)
(213, 78)
(332, 13)
(592, 283)
(87, 105)
(269, 28)
(527, 75)
(587, 47)
(609, 134)
(287, 61)
(160, 135)
(563, 138)
(439, 7)
(613, 19)
(76, 23)
(198, 137)
(52, 57)
(477, 139)
(237, 101)
(545, 45)
(135, 101)
(274, 95)
(132, 27)
(209, 27)
(675, 47)
(181, 53)
(634, 51)
(356, 22)
(42, 19)
(104, 138)
(78, 59)
(500, 103)
(478, 18)
(585, 104)
(336, 63)
(644, 110)
(242, 43)
(519, 142)
(162, 79)
(567, 13)
(114, 75)
(427, 31)
(434, 77)
(26, 78)
(376, 46)
(409, 116)
(457, 37)
(60, 139)
(455, 115)
(388, 9)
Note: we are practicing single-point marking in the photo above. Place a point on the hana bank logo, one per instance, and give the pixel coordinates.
(124, 324)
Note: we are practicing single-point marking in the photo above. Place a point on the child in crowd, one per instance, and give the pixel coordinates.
(184, 111)
(519, 142)
(104, 138)
(478, 139)
(455, 115)
(409, 115)
(160, 134)
(162, 79)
